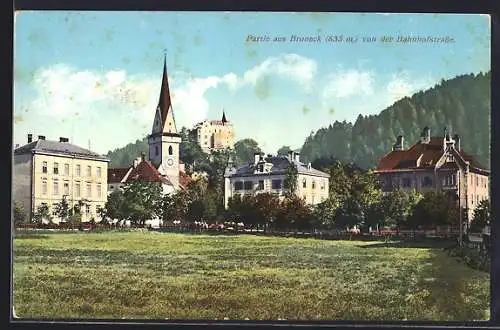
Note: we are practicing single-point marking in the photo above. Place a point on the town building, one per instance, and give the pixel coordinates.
(45, 172)
(435, 163)
(215, 135)
(164, 165)
(267, 174)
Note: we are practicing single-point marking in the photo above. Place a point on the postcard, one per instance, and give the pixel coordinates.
(251, 166)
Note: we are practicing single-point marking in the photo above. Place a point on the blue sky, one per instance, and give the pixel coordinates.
(95, 76)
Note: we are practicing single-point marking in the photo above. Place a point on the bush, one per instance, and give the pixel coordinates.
(472, 257)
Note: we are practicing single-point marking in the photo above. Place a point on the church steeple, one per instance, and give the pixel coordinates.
(223, 117)
(164, 102)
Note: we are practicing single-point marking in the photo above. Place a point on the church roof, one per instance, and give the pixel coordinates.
(59, 148)
(145, 171)
(224, 117)
(116, 175)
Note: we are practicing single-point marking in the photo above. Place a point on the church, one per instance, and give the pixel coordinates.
(163, 164)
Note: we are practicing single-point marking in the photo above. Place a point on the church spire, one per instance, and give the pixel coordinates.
(224, 117)
(164, 103)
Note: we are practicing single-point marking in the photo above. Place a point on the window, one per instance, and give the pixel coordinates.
(276, 184)
(99, 190)
(44, 186)
(304, 183)
(248, 185)
(427, 182)
(66, 188)
(44, 167)
(89, 190)
(77, 189)
(406, 182)
(314, 185)
(56, 168)
(54, 209)
(78, 170)
(323, 185)
(89, 170)
(238, 185)
(112, 187)
(87, 208)
(170, 150)
(56, 188)
(157, 152)
(477, 182)
(450, 180)
(66, 169)
(98, 172)
(261, 185)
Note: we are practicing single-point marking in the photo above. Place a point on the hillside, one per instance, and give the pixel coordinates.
(463, 104)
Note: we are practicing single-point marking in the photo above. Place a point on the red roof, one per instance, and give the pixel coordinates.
(184, 179)
(145, 171)
(426, 154)
(116, 175)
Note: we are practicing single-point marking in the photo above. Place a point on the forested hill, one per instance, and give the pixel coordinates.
(463, 104)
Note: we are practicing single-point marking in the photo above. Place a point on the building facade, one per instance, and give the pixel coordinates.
(435, 163)
(215, 135)
(45, 172)
(268, 174)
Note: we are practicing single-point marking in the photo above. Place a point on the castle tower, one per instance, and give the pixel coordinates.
(164, 140)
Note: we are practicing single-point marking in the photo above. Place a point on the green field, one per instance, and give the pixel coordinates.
(175, 276)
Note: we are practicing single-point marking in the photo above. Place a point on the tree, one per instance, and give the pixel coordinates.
(291, 177)
(19, 215)
(75, 214)
(42, 213)
(284, 150)
(324, 214)
(435, 209)
(62, 209)
(114, 205)
(142, 201)
(176, 206)
(340, 184)
(398, 206)
(482, 216)
(245, 150)
(294, 213)
(265, 208)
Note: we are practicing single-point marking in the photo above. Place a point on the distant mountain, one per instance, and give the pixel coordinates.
(463, 104)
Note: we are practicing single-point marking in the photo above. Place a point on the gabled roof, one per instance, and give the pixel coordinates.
(59, 148)
(145, 171)
(116, 175)
(280, 166)
(420, 156)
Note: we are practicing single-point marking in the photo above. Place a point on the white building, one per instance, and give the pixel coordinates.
(267, 174)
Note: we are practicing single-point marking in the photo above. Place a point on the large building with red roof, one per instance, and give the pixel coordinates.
(435, 163)
(163, 164)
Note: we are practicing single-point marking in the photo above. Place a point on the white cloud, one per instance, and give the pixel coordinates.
(295, 67)
(64, 91)
(348, 83)
(401, 85)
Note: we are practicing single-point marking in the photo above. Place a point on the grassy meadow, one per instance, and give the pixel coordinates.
(175, 276)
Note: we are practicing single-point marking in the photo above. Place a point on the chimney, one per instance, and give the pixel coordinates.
(41, 137)
(297, 157)
(399, 145)
(456, 137)
(309, 166)
(425, 137)
(63, 139)
(256, 157)
(30, 138)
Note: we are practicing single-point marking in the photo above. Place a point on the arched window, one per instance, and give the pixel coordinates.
(170, 150)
